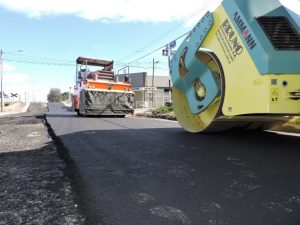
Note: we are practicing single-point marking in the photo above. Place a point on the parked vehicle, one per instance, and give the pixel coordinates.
(6, 99)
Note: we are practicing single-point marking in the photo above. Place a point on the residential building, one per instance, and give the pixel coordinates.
(150, 92)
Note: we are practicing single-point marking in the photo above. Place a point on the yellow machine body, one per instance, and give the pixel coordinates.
(250, 94)
(247, 91)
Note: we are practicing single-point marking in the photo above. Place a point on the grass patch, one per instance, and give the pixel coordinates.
(295, 120)
(163, 109)
(291, 126)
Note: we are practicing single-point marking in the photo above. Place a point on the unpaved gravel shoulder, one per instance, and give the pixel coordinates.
(34, 188)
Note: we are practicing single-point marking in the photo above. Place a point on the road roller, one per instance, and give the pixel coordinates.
(239, 67)
(99, 92)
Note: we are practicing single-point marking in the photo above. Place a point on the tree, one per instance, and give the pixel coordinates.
(54, 95)
(65, 96)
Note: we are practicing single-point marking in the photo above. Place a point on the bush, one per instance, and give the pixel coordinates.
(296, 120)
(163, 109)
(54, 95)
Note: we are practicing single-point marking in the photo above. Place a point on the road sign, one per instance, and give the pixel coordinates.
(171, 45)
(14, 95)
(166, 52)
(148, 88)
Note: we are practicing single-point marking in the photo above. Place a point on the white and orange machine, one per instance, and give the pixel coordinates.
(99, 92)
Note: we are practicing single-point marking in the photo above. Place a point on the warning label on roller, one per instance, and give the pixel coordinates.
(274, 95)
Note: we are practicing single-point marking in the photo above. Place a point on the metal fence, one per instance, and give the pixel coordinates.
(158, 101)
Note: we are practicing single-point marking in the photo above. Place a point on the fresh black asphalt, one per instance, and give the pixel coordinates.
(138, 171)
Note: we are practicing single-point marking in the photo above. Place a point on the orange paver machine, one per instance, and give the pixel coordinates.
(99, 92)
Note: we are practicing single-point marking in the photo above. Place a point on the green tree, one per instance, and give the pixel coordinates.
(54, 95)
(65, 96)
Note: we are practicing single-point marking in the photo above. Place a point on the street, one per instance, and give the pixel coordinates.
(142, 171)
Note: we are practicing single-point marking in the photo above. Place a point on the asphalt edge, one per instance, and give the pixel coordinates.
(71, 171)
(25, 108)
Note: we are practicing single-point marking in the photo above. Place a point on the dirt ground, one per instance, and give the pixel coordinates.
(34, 188)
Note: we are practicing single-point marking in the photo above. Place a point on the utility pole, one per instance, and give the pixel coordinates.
(169, 66)
(124, 71)
(152, 86)
(168, 52)
(1, 71)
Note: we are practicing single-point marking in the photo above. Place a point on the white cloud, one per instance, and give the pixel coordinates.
(109, 11)
(293, 5)
(15, 78)
(294, 9)
(22, 84)
(118, 10)
(8, 68)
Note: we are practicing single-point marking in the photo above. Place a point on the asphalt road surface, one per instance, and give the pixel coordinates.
(138, 171)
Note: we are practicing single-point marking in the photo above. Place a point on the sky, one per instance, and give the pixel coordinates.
(41, 39)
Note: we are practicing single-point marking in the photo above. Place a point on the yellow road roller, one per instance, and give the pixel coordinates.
(238, 67)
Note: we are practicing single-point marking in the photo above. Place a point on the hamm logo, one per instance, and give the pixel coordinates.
(244, 30)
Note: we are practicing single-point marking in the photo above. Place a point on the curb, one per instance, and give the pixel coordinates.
(22, 110)
(159, 116)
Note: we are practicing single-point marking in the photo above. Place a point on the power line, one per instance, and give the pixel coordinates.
(40, 58)
(156, 49)
(142, 67)
(68, 62)
(65, 64)
(183, 20)
(21, 58)
(38, 63)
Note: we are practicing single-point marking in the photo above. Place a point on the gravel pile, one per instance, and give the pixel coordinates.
(34, 189)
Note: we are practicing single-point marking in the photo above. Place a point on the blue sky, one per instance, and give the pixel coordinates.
(52, 32)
